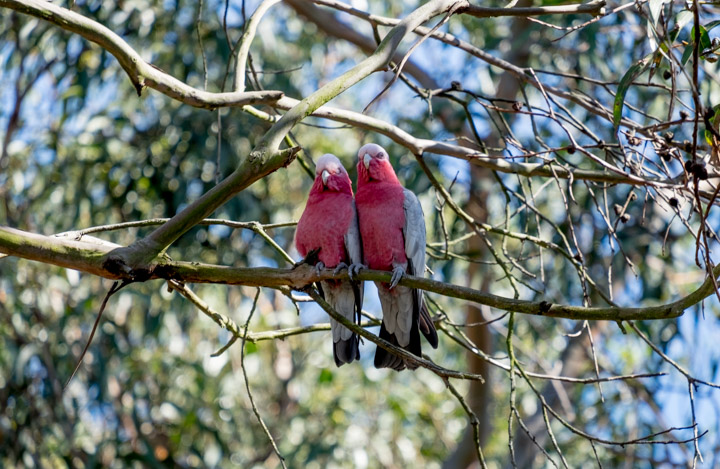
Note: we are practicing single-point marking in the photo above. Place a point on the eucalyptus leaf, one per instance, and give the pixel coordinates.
(632, 73)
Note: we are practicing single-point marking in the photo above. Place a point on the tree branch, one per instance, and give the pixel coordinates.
(594, 8)
(394, 349)
(89, 257)
(245, 41)
(140, 72)
(520, 73)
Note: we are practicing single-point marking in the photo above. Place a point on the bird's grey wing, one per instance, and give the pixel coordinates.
(353, 246)
(414, 234)
(415, 237)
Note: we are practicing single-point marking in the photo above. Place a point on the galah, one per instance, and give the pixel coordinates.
(329, 226)
(392, 229)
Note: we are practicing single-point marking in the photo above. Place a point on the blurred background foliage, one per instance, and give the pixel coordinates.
(80, 149)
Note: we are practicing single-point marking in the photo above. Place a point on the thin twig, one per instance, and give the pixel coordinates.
(247, 385)
(116, 286)
(474, 422)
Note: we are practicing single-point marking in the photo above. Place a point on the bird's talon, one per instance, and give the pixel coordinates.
(319, 267)
(353, 270)
(398, 273)
(340, 267)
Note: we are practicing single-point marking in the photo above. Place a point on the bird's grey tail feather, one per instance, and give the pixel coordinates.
(346, 351)
(385, 359)
(427, 327)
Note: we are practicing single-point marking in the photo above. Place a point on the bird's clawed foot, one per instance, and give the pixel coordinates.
(340, 267)
(352, 269)
(319, 267)
(398, 273)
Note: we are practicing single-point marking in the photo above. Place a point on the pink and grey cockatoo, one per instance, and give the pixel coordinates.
(329, 224)
(392, 229)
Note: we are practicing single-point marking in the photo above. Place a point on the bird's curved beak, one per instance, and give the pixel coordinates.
(325, 176)
(366, 160)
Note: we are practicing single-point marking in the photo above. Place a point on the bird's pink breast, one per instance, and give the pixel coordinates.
(381, 217)
(323, 225)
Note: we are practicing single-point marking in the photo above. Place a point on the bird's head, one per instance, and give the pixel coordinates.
(330, 175)
(374, 164)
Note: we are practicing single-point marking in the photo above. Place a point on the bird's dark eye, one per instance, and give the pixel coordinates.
(381, 155)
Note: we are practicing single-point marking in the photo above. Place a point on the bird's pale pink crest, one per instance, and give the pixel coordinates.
(336, 178)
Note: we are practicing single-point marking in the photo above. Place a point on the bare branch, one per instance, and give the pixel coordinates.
(247, 386)
(245, 41)
(594, 8)
(140, 72)
(404, 354)
(91, 258)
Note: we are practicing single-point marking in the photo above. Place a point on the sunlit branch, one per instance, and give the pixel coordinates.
(404, 354)
(256, 411)
(592, 8)
(89, 257)
(248, 225)
(245, 41)
(141, 73)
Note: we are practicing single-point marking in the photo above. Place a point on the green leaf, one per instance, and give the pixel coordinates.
(627, 80)
(704, 42)
(250, 348)
(714, 122)
(711, 25)
(686, 55)
(708, 137)
(704, 37)
(716, 114)
(326, 376)
(655, 10)
(681, 20)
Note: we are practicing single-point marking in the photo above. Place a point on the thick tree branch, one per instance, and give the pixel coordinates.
(140, 72)
(134, 260)
(79, 255)
(89, 257)
(594, 8)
